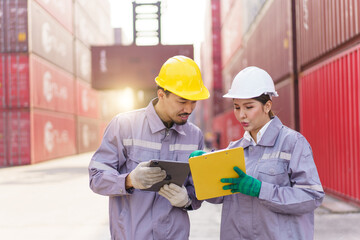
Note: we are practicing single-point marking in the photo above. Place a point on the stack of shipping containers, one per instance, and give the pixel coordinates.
(48, 108)
(311, 49)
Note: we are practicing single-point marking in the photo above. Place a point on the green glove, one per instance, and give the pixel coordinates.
(197, 153)
(244, 184)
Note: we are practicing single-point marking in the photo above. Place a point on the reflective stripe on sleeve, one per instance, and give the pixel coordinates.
(318, 188)
(142, 143)
(101, 166)
(183, 147)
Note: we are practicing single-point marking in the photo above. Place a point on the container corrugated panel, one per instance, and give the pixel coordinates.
(53, 136)
(85, 30)
(2, 27)
(3, 127)
(52, 87)
(83, 61)
(15, 125)
(50, 40)
(329, 119)
(283, 106)
(226, 128)
(231, 30)
(272, 53)
(2, 80)
(62, 11)
(17, 81)
(325, 25)
(88, 134)
(88, 102)
(14, 26)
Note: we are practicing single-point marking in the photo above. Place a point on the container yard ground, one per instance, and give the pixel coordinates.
(52, 200)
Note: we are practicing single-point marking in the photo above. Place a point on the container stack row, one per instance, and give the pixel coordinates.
(311, 50)
(47, 106)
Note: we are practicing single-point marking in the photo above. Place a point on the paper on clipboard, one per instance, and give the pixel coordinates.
(208, 169)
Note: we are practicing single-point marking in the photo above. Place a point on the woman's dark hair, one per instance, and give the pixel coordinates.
(264, 98)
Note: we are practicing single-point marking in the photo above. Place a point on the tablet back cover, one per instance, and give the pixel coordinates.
(177, 173)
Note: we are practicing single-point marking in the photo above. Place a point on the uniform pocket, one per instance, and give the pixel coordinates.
(273, 172)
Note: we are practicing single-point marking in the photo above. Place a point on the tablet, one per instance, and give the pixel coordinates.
(208, 169)
(176, 172)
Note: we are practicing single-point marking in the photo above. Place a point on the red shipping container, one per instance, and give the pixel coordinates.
(17, 86)
(83, 62)
(226, 128)
(3, 148)
(2, 81)
(88, 134)
(53, 135)
(88, 101)
(317, 36)
(62, 11)
(34, 136)
(15, 138)
(50, 40)
(283, 106)
(52, 88)
(14, 26)
(329, 119)
(272, 53)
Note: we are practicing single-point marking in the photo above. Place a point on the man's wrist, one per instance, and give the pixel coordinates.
(187, 205)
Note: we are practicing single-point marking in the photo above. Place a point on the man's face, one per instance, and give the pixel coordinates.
(175, 109)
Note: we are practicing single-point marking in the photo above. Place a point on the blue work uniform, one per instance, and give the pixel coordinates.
(290, 190)
(131, 138)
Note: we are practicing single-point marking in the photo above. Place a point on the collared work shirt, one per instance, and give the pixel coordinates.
(129, 139)
(290, 190)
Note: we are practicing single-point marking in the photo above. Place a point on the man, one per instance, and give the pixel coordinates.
(120, 167)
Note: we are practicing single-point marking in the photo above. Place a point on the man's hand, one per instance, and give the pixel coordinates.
(177, 196)
(144, 176)
(244, 184)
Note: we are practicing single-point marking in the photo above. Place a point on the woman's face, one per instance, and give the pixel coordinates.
(252, 114)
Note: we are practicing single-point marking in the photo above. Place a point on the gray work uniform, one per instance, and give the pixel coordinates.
(290, 189)
(129, 139)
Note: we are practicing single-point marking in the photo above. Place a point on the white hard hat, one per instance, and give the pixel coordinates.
(251, 82)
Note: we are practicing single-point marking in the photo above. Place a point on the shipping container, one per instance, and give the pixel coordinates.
(53, 135)
(34, 136)
(131, 66)
(273, 52)
(88, 134)
(16, 83)
(52, 88)
(317, 36)
(284, 105)
(16, 134)
(51, 40)
(82, 61)
(85, 29)
(62, 11)
(231, 29)
(30, 81)
(329, 119)
(3, 81)
(226, 128)
(88, 103)
(14, 26)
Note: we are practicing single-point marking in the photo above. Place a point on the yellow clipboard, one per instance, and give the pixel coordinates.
(208, 169)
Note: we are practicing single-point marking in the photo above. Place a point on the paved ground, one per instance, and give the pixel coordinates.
(52, 200)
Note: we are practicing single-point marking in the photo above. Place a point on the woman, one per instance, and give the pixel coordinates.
(277, 196)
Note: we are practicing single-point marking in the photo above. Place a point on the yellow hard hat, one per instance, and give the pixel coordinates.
(181, 76)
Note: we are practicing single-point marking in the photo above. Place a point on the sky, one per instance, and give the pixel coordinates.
(182, 20)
